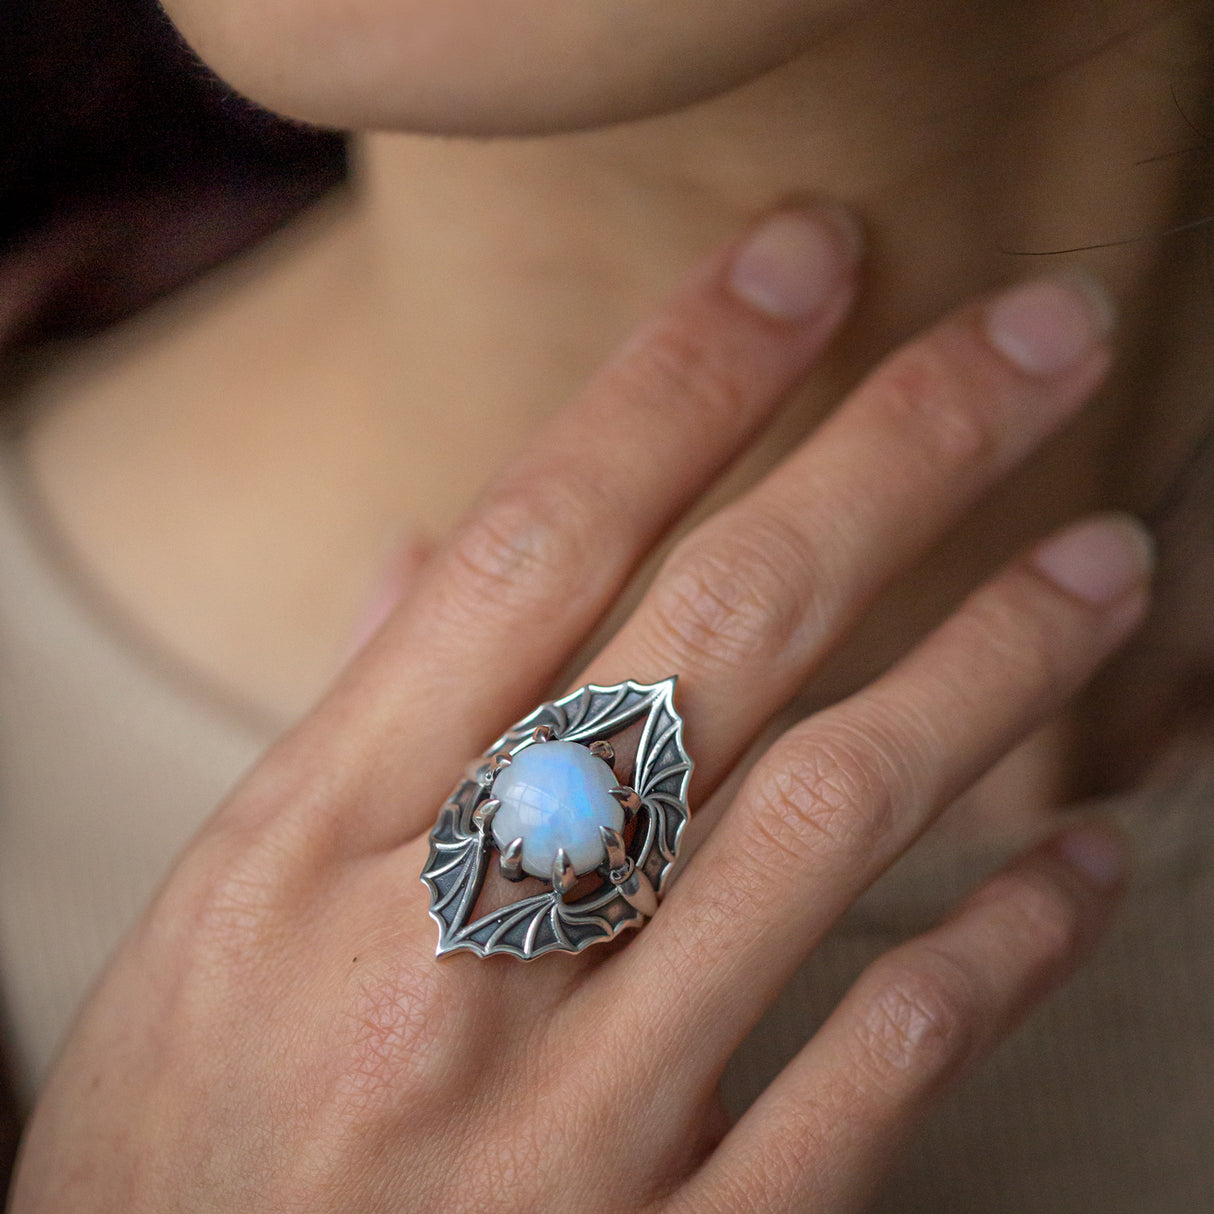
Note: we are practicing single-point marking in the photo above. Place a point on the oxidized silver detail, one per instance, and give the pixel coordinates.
(461, 843)
(563, 876)
(603, 750)
(511, 860)
(629, 800)
(482, 816)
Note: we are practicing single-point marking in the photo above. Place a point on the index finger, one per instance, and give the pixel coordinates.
(555, 535)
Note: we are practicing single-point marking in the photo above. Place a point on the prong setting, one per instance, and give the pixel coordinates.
(498, 761)
(542, 733)
(621, 870)
(629, 799)
(613, 846)
(511, 861)
(482, 815)
(603, 750)
(563, 876)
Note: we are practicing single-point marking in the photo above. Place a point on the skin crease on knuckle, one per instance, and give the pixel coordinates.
(850, 783)
(232, 900)
(944, 413)
(734, 593)
(726, 603)
(529, 543)
(1020, 636)
(915, 1027)
(922, 1013)
(670, 369)
(829, 792)
(1029, 920)
(388, 1041)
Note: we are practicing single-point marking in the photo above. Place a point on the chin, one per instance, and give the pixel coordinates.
(492, 67)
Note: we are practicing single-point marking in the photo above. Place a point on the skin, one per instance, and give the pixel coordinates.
(368, 1083)
(514, 68)
(402, 342)
(361, 1084)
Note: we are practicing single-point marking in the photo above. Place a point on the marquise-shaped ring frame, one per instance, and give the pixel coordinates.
(541, 923)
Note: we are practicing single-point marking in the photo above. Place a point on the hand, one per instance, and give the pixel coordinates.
(276, 1034)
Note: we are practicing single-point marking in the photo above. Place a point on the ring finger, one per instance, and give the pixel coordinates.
(752, 600)
(844, 793)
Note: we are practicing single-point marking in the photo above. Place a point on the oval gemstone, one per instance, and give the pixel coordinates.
(554, 795)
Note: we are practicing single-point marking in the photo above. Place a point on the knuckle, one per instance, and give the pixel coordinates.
(723, 601)
(222, 923)
(928, 397)
(529, 537)
(1004, 630)
(227, 897)
(822, 794)
(670, 364)
(1035, 921)
(387, 1048)
(917, 1022)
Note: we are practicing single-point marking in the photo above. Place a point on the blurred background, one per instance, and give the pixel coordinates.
(126, 167)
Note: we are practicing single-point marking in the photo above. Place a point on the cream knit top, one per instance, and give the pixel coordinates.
(110, 757)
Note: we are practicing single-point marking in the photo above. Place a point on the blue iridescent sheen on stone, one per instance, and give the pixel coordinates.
(554, 795)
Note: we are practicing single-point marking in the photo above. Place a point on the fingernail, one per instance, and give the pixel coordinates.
(1047, 327)
(792, 264)
(1096, 853)
(1099, 559)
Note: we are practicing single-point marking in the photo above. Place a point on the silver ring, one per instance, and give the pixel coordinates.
(547, 798)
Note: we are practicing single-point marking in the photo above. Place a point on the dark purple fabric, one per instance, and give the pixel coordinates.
(126, 168)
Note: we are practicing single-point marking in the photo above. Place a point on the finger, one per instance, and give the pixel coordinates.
(828, 1127)
(749, 603)
(552, 539)
(841, 795)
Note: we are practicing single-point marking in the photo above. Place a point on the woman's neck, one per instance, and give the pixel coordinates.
(360, 379)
